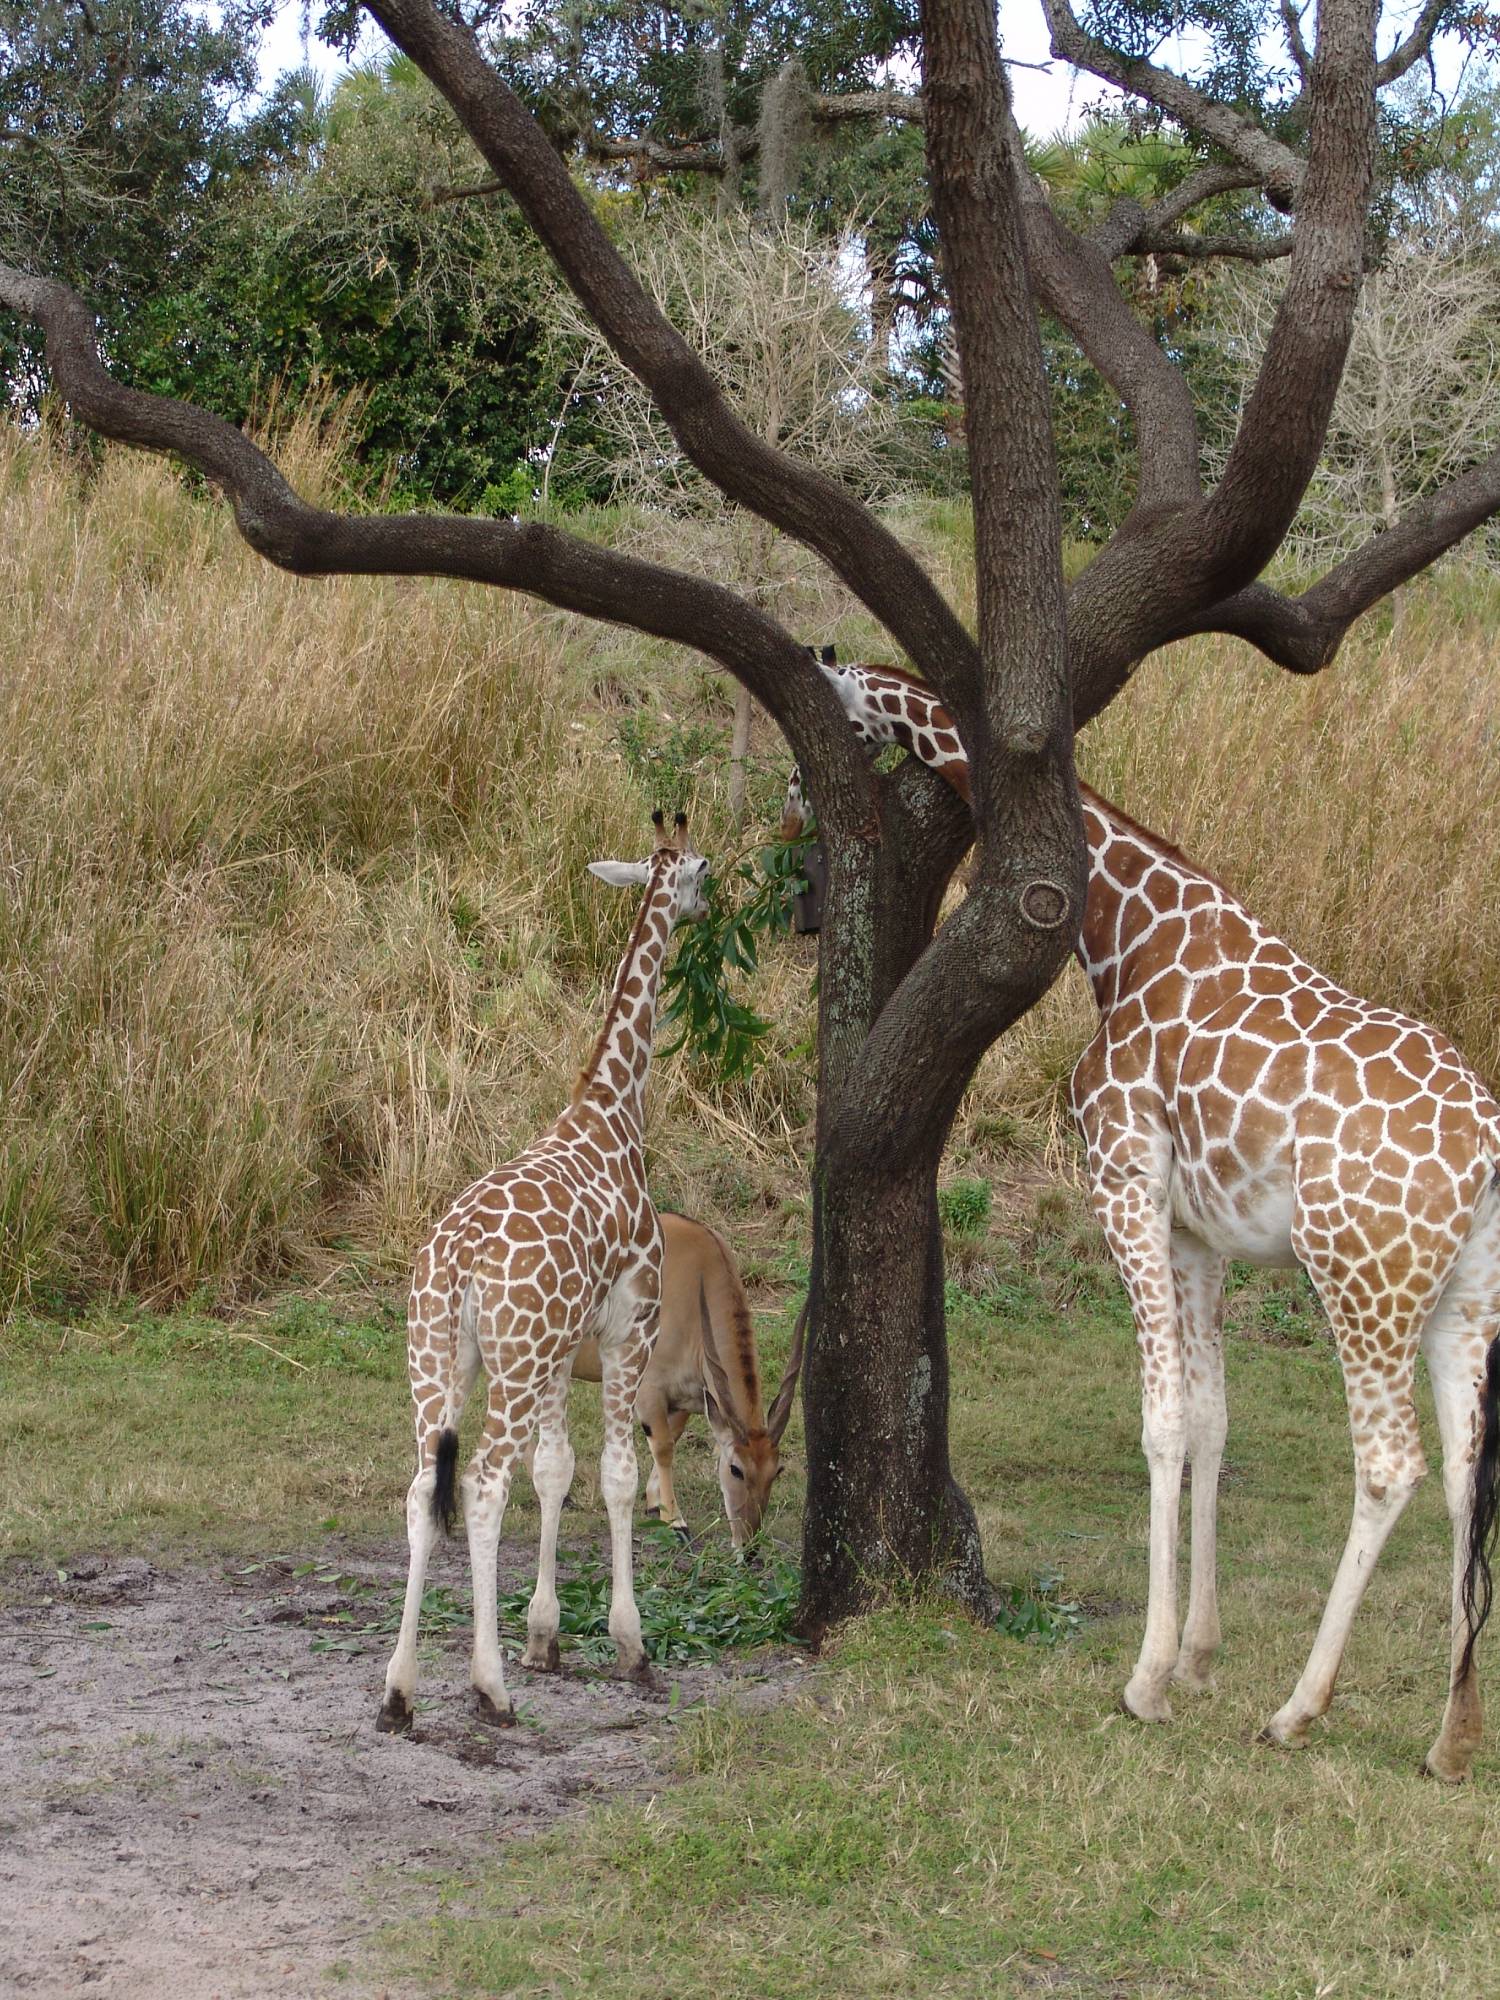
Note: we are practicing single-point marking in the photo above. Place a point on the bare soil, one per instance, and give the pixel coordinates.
(194, 1801)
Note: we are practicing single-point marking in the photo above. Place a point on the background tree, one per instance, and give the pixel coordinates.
(907, 1007)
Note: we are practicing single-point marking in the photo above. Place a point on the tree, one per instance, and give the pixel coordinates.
(118, 118)
(907, 1006)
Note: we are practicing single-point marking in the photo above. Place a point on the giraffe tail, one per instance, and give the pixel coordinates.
(445, 1492)
(1478, 1585)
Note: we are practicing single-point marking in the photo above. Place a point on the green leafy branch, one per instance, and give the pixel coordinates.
(752, 900)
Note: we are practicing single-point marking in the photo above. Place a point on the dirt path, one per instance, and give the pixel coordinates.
(194, 1802)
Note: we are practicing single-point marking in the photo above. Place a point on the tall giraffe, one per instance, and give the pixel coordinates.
(886, 705)
(1236, 1103)
(560, 1245)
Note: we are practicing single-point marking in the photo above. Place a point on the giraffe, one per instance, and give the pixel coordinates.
(1234, 1102)
(886, 705)
(560, 1245)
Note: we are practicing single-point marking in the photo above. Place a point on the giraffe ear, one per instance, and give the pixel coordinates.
(621, 874)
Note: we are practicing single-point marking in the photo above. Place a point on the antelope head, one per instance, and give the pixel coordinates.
(749, 1458)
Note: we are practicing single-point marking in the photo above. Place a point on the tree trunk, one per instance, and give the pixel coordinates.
(883, 1508)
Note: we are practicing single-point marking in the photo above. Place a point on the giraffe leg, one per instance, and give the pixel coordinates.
(552, 1475)
(1198, 1282)
(1388, 1468)
(623, 1363)
(654, 1418)
(1131, 1203)
(401, 1675)
(1454, 1343)
(436, 1410)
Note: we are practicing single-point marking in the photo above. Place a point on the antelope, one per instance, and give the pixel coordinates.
(705, 1361)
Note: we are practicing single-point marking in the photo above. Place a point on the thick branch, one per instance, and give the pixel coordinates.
(1275, 166)
(1184, 243)
(802, 502)
(1116, 235)
(1074, 282)
(975, 198)
(1281, 436)
(1304, 633)
(542, 561)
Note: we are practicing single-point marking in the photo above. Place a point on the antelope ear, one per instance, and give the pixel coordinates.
(781, 1409)
(716, 1396)
(621, 874)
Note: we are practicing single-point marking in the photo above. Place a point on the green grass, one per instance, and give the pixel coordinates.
(175, 1432)
(945, 1810)
(952, 1812)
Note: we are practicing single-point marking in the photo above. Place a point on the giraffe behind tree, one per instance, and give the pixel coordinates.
(1237, 1103)
(560, 1245)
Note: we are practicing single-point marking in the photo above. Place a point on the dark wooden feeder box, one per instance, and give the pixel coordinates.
(807, 909)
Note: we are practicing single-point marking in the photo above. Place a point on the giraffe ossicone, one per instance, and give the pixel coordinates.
(559, 1245)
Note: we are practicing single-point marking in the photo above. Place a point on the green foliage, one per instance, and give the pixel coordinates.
(695, 992)
(693, 1607)
(1036, 1614)
(964, 1208)
(117, 121)
(341, 275)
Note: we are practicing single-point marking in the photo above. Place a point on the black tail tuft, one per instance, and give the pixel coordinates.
(445, 1493)
(1478, 1586)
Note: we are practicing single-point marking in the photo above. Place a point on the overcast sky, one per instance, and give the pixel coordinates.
(1049, 96)
(1044, 102)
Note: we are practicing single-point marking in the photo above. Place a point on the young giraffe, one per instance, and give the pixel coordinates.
(1236, 1103)
(560, 1245)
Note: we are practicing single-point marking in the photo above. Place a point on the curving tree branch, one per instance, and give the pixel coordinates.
(1411, 50)
(1118, 233)
(531, 557)
(1274, 166)
(801, 502)
(1304, 633)
(1074, 282)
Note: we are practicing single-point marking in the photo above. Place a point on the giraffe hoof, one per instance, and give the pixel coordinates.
(1282, 1736)
(490, 1711)
(394, 1718)
(1146, 1707)
(544, 1659)
(653, 1513)
(644, 1676)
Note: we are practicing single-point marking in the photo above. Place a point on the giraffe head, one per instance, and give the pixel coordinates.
(794, 813)
(673, 861)
(749, 1456)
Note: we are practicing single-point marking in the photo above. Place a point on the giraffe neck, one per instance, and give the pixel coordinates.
(615, 1074)
(886, 705)
(1152, 914)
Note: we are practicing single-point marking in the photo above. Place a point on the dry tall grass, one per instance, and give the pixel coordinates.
(295, 933)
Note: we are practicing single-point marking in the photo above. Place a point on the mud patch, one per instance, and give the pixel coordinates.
(195, 1802)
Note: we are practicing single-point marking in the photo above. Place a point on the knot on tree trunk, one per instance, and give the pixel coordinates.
(1044, 905)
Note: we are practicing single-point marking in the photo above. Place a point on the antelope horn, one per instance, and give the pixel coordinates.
(786, 1395)
(718, 1380)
